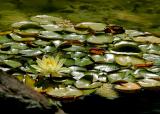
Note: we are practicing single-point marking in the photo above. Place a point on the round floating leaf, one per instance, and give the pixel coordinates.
(64, 92)
(128, 60)
(41, 42)
(19, 38)
(121, 77)
(83, 62)
(98, 58)
(77, 74)
(77, 68)
(142, 73)
(149, 83)
(25, 24)
(109, 58)
(153, 58)
(75, 48)
(77, 54)
(12, 63)
(4, 56)
(52, 27)
(100, 39)
(5, 39)
(74, 36)
(15, 45)
(49, 35)
(49, 49)
(134, 33)
(106, 90)
(30, 52)
(107, 67)
(91, 25)
(10, 52)
(127, 87)
(147, 39)
(85, 84)
(45, 19)
(69, 62)
(125, 46)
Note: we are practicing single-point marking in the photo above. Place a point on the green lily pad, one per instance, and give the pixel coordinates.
(77, 68)
(85, 84)
(121, 77)
(5, 39)
(100, 39)
(74, 36)
(30, 52)
(129, 87)
(107, 91)
(52, 27)
(49, 35)
(12, 63)
(91, 25)
(125, 46)
(149, 83)
(49, 49)
(45, 19)
(25, 24)
(69, 62)
(128, 60)
(83, 62)
(142, 73)
(98, 58)
(75, 48)
(19, 38)
(12, 51)
(64, 92)
(77, 74)
(147, 39)
(107, 67)
(41, 43)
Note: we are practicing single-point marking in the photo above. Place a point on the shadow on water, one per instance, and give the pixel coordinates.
(142, 103)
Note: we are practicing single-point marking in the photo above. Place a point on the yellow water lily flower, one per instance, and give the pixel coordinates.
(50, 66)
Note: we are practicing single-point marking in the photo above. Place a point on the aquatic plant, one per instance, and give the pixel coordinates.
(50, 66)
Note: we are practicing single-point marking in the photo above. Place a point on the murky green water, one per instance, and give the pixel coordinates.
(132, 14)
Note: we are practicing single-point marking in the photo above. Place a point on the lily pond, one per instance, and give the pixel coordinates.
(66, 61)
(68, 57)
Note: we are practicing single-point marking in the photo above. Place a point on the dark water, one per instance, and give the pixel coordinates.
(142, 15)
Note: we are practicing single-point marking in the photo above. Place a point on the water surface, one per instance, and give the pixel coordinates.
(132, 14)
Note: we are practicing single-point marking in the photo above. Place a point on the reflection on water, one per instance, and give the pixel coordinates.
(133, 14)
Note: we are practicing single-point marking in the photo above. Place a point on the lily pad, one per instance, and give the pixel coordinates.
(100, 39)
(85, 84)
(125, 46)
(64, 92)
(91, 25)
(25, 24)
(45, 19)
(5, 39)
(83, 62)
(74, 36)
(19, 38)
(147, 39)
(12, 63)
(128, 60)
(30, 52)
(107, 67)
(49, 35)
(128, 87)
(149, 83)
(52, 27)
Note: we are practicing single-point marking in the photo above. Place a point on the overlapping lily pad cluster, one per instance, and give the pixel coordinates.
(65, 60)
